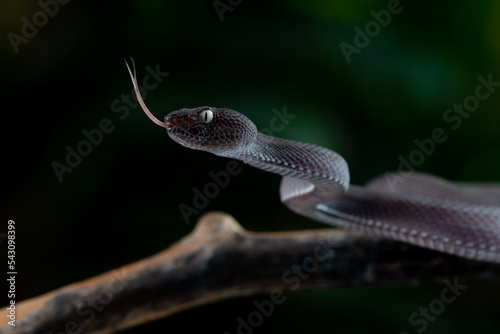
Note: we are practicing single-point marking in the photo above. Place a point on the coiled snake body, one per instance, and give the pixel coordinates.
(455, 218)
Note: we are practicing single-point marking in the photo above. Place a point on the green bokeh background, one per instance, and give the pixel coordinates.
(121, 203)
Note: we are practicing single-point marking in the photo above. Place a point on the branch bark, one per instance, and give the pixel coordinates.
(221, 260)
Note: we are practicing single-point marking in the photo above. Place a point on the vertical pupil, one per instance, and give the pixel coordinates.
(206, 116)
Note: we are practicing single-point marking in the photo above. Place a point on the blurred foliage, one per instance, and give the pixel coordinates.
(121, 203)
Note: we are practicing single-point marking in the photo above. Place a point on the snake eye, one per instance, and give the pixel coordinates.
(206, 116)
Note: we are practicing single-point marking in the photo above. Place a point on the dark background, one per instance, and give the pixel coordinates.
(120, 204)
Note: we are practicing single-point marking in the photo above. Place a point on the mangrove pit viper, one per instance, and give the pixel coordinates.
(455, 218)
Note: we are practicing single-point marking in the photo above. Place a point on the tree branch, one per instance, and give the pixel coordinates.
(221, 260)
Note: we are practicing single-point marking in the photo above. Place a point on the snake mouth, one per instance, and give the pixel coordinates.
(169, 124)
(173, 122)
(184, 122)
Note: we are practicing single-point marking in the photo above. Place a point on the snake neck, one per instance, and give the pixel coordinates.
(314, 169)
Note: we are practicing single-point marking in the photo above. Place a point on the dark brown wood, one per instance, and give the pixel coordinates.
(221, 260)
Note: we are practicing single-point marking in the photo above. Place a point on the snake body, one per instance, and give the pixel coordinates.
(455, 218)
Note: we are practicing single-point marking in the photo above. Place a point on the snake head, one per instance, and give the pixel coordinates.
(216, 130)
(219, 131)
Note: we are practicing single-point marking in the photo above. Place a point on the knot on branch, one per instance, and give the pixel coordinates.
(217, 223)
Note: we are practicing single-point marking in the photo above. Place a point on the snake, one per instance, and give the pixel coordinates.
(461, 219)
